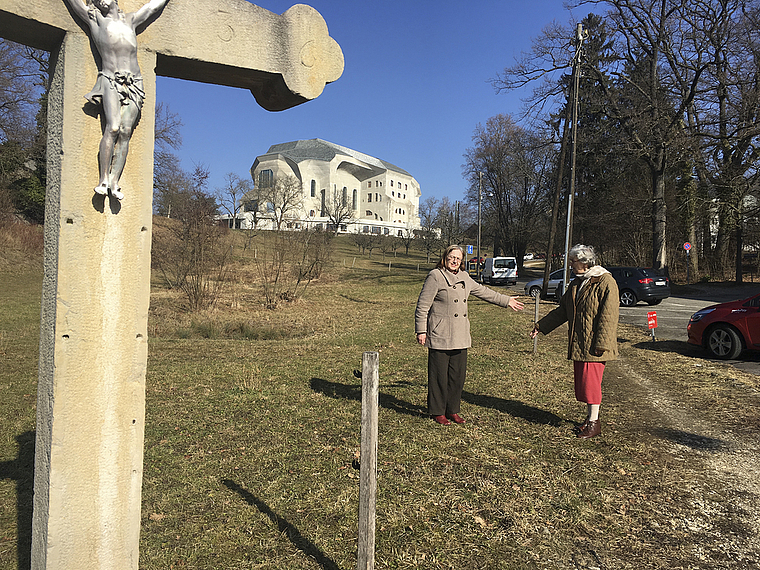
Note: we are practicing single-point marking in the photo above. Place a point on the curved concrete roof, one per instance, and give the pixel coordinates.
(317, 149)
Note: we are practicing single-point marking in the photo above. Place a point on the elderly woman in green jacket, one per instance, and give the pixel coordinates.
(590, 307)
(441, 324)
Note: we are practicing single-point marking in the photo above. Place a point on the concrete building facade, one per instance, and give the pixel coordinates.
(376, 196)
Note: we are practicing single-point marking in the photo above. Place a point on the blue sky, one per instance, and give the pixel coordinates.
(415, 86)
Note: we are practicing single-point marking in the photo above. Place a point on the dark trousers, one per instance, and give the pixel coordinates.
(446, 371)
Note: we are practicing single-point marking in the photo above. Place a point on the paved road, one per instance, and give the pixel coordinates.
(673, 313)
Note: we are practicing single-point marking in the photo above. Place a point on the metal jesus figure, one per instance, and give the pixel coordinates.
(119, 87)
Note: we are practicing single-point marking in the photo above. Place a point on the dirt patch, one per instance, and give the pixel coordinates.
(705, 424)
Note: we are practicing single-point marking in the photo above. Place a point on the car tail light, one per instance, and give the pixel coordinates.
(646, 280)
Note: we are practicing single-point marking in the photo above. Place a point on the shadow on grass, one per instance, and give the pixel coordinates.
(676, 346)
(514, 408)
(692, 440)
(352, 392)
(21, 470)
(294, 535)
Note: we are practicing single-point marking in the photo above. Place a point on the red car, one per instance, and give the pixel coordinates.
(728, 328)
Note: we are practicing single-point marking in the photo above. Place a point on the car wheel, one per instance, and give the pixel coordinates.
(724, 342)
(655, 301)
(628, 299)
(535, 291)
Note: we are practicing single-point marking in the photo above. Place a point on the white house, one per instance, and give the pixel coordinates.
(378, 197)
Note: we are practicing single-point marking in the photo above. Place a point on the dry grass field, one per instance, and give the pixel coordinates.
(252, 436)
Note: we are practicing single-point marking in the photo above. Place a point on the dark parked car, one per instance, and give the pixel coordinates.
(726, 329)
(640, 284)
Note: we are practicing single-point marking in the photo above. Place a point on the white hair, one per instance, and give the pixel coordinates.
(584, 254)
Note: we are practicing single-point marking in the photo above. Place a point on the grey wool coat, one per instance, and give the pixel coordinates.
(592, 319)
(442, 308)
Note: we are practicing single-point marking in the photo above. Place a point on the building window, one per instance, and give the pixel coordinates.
(266, 178)
(369, 197)
(368, 213)
(386, 231)
(365, 229)
(313, 188)
(391, 183)
(322, 206)
(353, 205)
(369, 184)
(312, 213)
(345, 196)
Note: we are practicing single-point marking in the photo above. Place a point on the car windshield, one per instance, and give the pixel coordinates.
(754, 302)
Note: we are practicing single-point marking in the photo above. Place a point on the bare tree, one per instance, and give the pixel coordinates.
(429, 236)
(517, 167)
(22, 83)
(23, 130)
(280, 199)
(231, 196)
(168, 177)
(339, 209)
(191, 251)
(407, 238)
(449, 221)
(294, 260)
(389, 244)
(366, 242)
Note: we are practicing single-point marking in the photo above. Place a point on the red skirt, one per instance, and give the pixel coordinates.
(588, 381)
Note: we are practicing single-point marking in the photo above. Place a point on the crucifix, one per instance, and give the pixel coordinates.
(96, 285)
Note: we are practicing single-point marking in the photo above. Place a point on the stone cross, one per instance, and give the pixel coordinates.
(96, 286)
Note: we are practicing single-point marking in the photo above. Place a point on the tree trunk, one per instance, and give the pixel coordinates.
(659, 217)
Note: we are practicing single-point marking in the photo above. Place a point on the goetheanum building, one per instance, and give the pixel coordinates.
(336, 187)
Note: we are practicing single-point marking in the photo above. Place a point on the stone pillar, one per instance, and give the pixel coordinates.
(93, 343)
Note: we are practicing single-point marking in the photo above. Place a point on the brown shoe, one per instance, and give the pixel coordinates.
(581, 427)
(442, 420)
(456, 418)
(592, 429)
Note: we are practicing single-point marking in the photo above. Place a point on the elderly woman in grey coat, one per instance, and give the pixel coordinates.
(441, 324)
(590, 307)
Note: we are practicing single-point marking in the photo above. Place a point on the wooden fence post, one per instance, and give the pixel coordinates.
(368, 461)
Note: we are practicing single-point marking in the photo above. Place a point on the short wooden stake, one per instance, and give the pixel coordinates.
(368, 461)
(535, 320)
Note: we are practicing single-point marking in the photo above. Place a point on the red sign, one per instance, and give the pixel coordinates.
(687, 246)
(652, 319)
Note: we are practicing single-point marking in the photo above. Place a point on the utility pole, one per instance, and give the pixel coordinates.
(580, 35)
(480, 198)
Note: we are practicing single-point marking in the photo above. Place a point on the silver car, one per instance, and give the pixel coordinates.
(533, 288)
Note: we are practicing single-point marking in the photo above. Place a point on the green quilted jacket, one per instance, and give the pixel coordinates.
(592, 318)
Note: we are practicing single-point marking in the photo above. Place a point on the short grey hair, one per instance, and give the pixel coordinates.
(584, 254)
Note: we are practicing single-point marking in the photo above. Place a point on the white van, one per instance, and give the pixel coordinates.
(500, 270)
